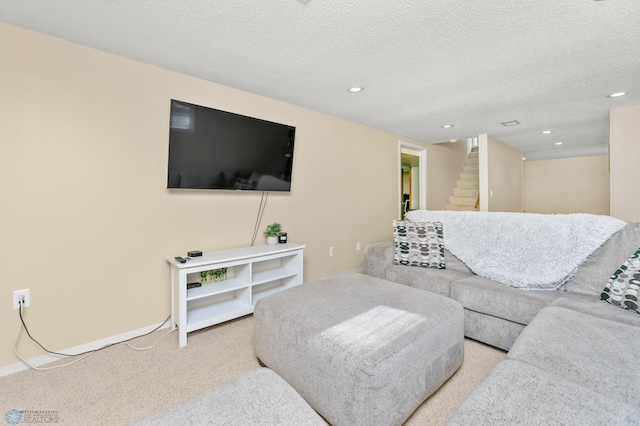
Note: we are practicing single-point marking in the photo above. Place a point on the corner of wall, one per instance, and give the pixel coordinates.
(483, 161)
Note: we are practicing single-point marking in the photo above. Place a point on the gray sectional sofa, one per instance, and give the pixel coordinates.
(495, 313)
(572, 358)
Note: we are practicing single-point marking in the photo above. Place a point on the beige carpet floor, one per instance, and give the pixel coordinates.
(119, 385)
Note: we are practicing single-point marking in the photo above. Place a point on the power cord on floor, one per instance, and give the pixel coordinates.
(84, 354)
(157, 341)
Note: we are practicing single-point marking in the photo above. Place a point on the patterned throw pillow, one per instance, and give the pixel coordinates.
(418, 244)
(624, 285)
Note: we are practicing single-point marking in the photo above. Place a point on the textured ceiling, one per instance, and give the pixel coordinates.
(547, 63)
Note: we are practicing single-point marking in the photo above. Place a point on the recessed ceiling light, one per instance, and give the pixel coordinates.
(524, 158)
(356, 89)
(615, 95)
(510, 123)
(558, 143)
(447, 126)
(546, 132)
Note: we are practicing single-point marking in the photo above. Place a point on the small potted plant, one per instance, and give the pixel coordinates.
(272, 233)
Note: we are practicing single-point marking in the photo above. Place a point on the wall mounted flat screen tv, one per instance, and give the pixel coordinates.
(214, 149)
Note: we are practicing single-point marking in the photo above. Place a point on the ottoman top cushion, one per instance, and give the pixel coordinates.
(367, 317)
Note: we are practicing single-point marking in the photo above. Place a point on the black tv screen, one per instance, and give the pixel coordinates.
(214, 149)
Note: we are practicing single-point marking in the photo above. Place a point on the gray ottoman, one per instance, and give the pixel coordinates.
(358, 349)
(259, 397)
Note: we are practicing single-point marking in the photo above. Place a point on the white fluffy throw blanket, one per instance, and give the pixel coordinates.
(523, 250)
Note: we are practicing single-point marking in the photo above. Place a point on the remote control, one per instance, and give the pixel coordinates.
(180, 259)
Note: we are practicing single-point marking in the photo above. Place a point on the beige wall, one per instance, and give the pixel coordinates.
(86, 217)
(567, 185)
(500, 176)
(624, 150)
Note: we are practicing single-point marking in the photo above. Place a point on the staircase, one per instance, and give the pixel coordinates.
(465, 194)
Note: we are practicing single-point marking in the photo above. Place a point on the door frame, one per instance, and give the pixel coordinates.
(422, 156)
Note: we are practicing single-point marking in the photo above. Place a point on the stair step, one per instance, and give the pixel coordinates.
(471, 168)
(466, 192)
(468, 184)
(460, 208)
(469, 176)
(463, 201)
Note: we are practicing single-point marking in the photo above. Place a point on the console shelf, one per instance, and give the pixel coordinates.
(276, 274)
(252, 274)
(214, 288)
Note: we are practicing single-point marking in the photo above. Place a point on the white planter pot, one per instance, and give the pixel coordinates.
(272, 240)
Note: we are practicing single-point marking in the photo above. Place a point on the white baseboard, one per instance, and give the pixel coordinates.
(45, 359)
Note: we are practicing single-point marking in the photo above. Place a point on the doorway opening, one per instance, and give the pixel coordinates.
(413, 178)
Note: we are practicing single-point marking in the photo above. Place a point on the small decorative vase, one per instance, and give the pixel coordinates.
(272, 240)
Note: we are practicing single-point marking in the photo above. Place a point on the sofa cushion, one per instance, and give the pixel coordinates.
(499, 300)
(376, 258)
(622, 288)
(418, 244)
(453, 262)
(592, 305)
(491, 330)
(598, 354)
(515, 393)
(433, 280)
(594, 273)
(379, 255)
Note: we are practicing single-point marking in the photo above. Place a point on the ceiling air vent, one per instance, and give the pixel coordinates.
(510, 123)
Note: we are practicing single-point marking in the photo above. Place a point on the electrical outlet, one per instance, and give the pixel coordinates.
(330, 251)
(24, 294)
(358, 246)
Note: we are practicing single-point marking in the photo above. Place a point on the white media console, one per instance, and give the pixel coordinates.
(252, 273)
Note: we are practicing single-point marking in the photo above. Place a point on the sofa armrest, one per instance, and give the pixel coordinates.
(377, 257)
